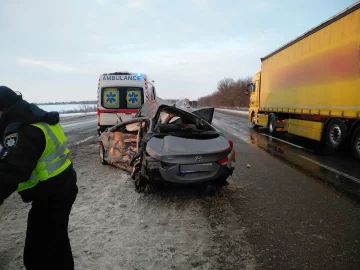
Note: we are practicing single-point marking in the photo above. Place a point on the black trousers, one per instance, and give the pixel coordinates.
(47, 244)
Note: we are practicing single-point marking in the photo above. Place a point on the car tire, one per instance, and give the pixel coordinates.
(336, 134)
(272, 124)
(355, 143)
(140, 182)
(102, 154)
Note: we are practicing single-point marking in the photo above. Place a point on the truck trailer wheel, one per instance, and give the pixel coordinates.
(355, 143)
(272, 124)
(336, 134)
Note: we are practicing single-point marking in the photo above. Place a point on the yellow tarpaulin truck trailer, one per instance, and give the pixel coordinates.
(310, 87)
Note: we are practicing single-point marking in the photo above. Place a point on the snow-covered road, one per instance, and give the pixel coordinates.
(270, 216)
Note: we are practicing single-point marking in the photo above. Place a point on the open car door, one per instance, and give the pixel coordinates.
(206, 114)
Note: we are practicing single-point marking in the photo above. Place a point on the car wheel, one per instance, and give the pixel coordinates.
(336, 134)
(355, 143)
(102, 154)
(140, 182)
(272, 124)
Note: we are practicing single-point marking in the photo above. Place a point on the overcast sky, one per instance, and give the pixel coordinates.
(55, 50)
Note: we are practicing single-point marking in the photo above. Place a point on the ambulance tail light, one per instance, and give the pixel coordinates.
(98, 116)
(231, 144)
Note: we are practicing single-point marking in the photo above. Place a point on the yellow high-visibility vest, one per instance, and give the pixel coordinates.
(53, 161)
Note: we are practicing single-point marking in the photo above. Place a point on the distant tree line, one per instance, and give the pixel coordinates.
(229, 94)
(82, 109)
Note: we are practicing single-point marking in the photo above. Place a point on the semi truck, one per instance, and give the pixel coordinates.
(310, 87)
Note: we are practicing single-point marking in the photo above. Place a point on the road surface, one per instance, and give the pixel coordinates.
(79, 129)
(277, 214)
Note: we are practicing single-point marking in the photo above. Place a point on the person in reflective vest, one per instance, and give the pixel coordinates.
(34, 161)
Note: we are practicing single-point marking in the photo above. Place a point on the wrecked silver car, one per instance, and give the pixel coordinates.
(165, 144)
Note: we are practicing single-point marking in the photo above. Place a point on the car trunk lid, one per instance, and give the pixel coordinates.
(173, 149)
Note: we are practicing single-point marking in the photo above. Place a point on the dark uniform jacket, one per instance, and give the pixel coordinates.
(23, 145)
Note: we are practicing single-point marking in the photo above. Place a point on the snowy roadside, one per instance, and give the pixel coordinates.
(114, 227)
(75, 115)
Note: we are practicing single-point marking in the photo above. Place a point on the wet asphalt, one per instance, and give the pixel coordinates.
(298, 214)
(296, 204)
(337, 169)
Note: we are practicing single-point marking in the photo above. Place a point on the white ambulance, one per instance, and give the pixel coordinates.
(120, 95)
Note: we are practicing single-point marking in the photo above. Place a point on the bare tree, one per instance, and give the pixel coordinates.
(229, 93)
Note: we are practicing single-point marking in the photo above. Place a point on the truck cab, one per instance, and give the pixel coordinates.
(253, 91)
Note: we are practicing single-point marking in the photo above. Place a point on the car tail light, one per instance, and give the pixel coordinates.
(231, 144)
(223, 161)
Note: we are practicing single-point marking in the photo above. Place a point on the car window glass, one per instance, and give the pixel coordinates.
(174, 119)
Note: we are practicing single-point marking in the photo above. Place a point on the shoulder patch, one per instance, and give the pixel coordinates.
(11, 140)
(3, 154)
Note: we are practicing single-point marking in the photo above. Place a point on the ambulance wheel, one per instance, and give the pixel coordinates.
(101, 130)
(102, 154)
(336, 134)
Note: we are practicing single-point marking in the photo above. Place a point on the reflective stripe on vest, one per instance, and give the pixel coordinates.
(54, 159)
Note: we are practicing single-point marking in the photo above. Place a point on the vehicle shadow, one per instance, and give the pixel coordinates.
(184, 192)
